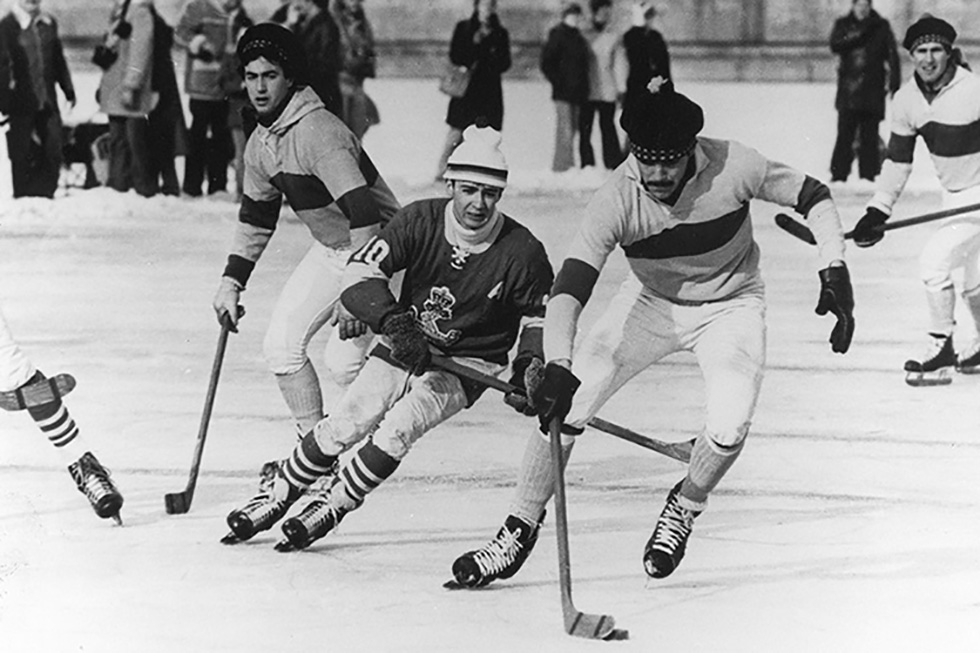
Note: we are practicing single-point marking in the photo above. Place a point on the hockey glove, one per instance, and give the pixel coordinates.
(868, 232)
(226, 302)
(409, 348)
(837, 297)
(553, 397)
(527, 377)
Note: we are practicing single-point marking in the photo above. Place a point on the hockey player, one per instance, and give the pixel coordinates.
(23, 386)
(303, 152)
(941, 103)
(679, 209)
(472, 276)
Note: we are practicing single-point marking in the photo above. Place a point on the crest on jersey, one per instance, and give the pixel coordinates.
(439, 306)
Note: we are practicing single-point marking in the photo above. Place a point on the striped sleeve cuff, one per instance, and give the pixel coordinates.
(239, 269)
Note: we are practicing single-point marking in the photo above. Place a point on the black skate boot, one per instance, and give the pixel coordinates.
(665, 548)
(318, 517)
(501, 557)
(968, 362)
(268, 506)
(934, 368)
(93, 481)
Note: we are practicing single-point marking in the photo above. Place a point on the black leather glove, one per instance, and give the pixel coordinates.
(837, 297)
(867, 232)
(553, 397)
(527, 377)
(409, 348)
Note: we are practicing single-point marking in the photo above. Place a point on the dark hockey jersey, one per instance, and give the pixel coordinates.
(468, 303)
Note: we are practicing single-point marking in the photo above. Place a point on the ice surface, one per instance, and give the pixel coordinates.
(849, 523)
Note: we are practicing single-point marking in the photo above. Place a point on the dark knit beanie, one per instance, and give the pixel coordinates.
(929, 29)
(662, 124)
(277, 44)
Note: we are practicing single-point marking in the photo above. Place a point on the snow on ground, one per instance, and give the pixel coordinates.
(849, 523)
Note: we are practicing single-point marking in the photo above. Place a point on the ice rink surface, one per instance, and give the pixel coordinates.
(850, 522)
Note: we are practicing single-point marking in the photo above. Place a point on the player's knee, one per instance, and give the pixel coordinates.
(344, 374)
(335, 435)
(395, 443)
(727, 440)
(282, 359)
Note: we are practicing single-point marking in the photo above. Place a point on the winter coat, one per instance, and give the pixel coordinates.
(18, 95)
(866, 48)
(565, 63)
(605, 46)
(133, 69)
(320, 39)
(488, 59)
(208, 32)
(356, 43)
(646, 58)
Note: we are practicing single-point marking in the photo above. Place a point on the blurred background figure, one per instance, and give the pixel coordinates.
(319, 37)
(126, 96)
(357, 64)
(481, 44)
(604, 46)
(166, 120)
(565, 64)
(866, 46)
(241, 115)
(32, 63)
(645, 51)
(205, 29)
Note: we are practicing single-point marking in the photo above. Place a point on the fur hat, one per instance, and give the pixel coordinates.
(277, 44)
(662, 124)
(478, 158)
(929, 29)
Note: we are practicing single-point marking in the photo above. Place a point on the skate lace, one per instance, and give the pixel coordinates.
(320, 516)
(93, 480)
(499, 553)
(673, 527)
(263, 507)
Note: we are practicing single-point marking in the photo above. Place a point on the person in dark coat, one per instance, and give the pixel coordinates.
(320, 38)
(866, 46)
(32, 62)
(166, 120)
(482, 44)
(646, 55)
(565, 64)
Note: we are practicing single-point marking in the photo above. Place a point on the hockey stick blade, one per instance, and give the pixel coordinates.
(178, 503)
(37, 394)
(794, 228)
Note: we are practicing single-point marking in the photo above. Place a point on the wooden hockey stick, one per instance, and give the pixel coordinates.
(577, 623)
(677, 450)
(801, 231)
(178, 503)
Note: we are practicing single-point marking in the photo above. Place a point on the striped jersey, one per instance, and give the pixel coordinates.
(467, 303)
(701, 249)
(950, 128)
(308, 156)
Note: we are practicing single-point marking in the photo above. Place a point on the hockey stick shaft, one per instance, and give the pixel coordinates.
(803, 232)
(181, 502)
(577, 623)
(677, 450)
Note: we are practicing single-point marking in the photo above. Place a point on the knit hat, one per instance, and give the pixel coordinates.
(662, 124)
(929, 29)
(277, 44)
(478, 158)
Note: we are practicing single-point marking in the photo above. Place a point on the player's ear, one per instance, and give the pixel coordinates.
(449, 187)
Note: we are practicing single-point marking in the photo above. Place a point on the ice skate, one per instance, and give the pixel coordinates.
(501, 557)
(935, 366)
(317, 518)
(665, 548)
(968, 361)
(268, 506)
(93, 481)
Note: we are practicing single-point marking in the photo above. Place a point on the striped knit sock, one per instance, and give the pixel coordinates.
(366, 470)
(57, 425)
(307, 463)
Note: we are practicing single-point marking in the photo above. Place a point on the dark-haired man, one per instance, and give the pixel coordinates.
(679, 209)
(303, 152)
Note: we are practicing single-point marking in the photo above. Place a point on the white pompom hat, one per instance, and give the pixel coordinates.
(478, 158)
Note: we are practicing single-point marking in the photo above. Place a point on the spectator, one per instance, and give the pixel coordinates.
(166, 121)
(126, 96)
(31, 63)
(483, 45)
(358, 58)
(604, 44)
(319, 37)
(866, 46)
(645, 52)
(565, 63)
(240, 109)
(204, 29)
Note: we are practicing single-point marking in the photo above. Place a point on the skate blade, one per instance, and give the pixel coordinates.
(926, 379)
(972, 369)
(454, 584)
(285, 546)
(117, 518)
(231, 538)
